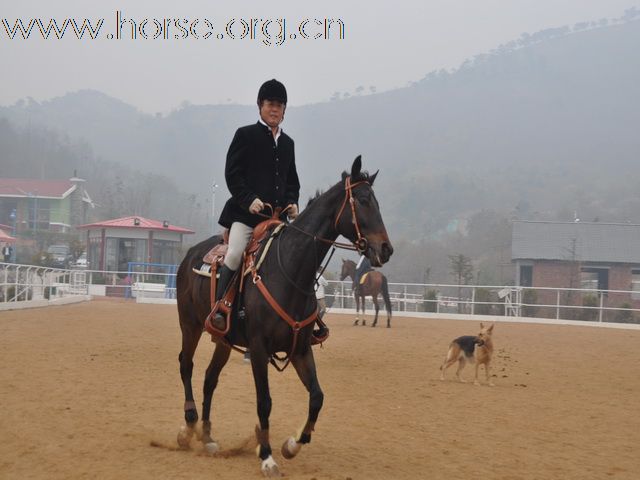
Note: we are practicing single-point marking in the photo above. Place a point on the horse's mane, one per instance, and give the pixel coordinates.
(315, 197)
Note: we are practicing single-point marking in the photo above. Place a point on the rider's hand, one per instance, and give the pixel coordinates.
(292, 211)
(256, 206)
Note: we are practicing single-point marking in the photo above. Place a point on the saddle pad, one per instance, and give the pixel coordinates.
(363, 278)
(204, 270)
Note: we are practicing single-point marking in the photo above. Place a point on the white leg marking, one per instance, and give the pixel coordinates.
(211, 447)
(270, 467)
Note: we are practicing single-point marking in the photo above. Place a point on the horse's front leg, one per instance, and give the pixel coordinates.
(356, 300)
(260, 365)
(190, 337)
(306, 368)
(218, 361)
(363, 301)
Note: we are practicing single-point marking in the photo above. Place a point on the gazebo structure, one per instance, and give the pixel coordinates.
(113, 244)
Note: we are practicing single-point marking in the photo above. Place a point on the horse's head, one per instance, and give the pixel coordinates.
(348, 269)
(359, 217)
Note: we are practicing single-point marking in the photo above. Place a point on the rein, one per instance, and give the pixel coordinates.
(360, 245)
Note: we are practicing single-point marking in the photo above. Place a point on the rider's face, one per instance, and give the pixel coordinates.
(272, 112)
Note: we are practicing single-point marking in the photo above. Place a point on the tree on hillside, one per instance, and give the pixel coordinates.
(461, 268)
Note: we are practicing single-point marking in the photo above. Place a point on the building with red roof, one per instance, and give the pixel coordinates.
(112, 244)
(5, 237)
(37, 205)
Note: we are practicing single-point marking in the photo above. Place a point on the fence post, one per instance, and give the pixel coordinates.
(405, 298)
(601, 293)
(557, 304)
(473, 300)
(342, 294)
(17, 285)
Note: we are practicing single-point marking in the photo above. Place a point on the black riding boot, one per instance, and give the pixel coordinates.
(226, 274)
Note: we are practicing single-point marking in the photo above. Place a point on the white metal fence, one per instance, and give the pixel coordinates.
(29, 283)
(25, 282)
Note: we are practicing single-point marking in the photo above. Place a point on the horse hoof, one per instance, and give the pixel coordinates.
(211, 447)
(270, 467)
(184, 436)
(290, 448)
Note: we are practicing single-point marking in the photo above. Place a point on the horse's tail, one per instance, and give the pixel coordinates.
(385, 294)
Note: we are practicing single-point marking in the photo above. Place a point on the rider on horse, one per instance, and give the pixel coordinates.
(260, 168)
(363, 266)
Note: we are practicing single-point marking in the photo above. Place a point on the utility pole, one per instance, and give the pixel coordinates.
(213, 208)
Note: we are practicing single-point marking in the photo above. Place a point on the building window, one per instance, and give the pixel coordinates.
(526, 275)
(594, 278)
(39, 213)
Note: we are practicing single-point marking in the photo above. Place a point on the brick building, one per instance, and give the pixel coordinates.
(603, 256)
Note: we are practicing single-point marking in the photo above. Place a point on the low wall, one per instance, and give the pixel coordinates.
(44, 303)
(451, 316)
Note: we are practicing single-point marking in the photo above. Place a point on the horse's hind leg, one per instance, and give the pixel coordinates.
(363, 302)
(218, 361)
(190, 337)
(306, 368)
(377, 308)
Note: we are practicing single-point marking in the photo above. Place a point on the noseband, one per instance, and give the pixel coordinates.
(361, 243)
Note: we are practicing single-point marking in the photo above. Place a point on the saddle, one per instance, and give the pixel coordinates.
(214, 259)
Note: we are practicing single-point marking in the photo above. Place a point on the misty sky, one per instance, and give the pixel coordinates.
(386, 45)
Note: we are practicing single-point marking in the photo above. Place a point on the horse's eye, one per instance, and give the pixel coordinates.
(364, 202)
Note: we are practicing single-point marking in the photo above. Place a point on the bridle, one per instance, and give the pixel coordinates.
(361, 243)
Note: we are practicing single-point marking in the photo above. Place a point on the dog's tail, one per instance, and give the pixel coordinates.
(446, 357)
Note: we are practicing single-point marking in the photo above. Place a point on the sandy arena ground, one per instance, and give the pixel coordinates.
(85, 389)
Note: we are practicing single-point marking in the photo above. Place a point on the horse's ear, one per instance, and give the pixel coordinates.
(343, 260)
(372, 178)
(356, 167)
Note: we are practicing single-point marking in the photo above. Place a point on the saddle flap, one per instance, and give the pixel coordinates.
(216, 254)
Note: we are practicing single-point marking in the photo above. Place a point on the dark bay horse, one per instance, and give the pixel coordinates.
(374, 284)
(288, 271)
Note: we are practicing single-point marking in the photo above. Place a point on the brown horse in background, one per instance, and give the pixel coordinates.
(374, 284)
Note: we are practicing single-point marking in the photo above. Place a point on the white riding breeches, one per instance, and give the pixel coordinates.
(239, 235)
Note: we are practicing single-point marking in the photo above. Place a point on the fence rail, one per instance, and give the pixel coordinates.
(25, 282)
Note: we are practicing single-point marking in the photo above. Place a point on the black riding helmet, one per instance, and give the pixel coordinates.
(272, 90)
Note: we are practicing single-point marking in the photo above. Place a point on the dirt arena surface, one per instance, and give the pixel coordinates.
(86, 388)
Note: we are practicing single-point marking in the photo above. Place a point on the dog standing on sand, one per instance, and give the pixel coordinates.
(478, 350)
